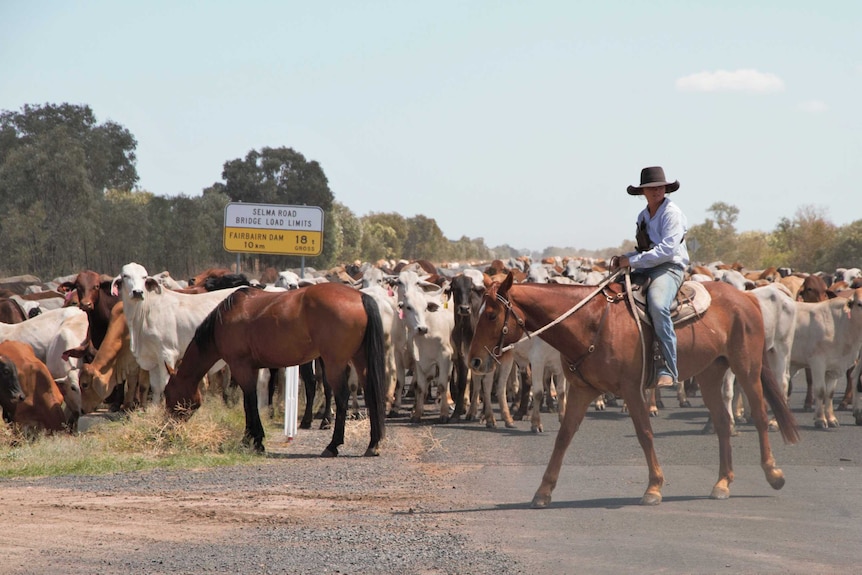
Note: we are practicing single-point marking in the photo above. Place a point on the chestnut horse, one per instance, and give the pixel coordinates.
(253, 329)
(602, 345)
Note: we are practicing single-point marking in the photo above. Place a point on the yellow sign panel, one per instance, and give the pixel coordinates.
(273, 229)
(281, 242)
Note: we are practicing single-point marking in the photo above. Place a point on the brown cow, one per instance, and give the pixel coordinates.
(42, 407)
(94, 298)
(10, 388)
(113, 363)
(11, 311)
(202, 277)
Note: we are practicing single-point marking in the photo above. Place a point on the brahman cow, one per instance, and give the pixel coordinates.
(161, 322)
(430, 321)
(827, 340)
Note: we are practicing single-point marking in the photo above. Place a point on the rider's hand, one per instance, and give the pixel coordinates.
(618, 262)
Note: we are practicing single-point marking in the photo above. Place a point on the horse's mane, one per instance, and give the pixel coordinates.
(205, 333)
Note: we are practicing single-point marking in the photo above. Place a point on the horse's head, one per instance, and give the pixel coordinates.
(181, 400)
(499, 325)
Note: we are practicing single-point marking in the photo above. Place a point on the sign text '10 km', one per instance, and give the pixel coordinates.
(273, 229)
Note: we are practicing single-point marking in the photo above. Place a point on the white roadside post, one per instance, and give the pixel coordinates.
(291, 400)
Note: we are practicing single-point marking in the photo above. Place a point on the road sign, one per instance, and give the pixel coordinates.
(273, 229)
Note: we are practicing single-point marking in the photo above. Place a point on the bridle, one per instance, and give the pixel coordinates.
(499, 350)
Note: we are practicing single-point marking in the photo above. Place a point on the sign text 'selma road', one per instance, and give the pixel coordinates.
(273, 229)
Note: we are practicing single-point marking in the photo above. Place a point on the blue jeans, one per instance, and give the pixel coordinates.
(666, 280)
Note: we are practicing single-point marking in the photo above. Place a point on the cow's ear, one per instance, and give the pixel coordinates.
(153, 285)
(115, 290)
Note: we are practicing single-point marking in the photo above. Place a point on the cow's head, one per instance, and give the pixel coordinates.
(10, 387)
(134, 282)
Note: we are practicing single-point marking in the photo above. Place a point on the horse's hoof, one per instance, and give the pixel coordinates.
(537, 429)
(444, 419)
(518, 417)
(842, 407)
(834, 423)
(820, 424)
(305, 425)
(540, 501)
(807, 408)
(653, 413)
(685, 403)
(392, 413)
(510, 425)
(491, 424)
(650, 498)
(720, 493)
(775, 478)
(372, 452)
(773, 426)
(858, 417)
(328, 453)
(659, 404)
(326, 424)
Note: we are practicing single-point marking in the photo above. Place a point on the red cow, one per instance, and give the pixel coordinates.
(42, 407)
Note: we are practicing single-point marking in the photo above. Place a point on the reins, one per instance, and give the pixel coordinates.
(527, 334)
(573, 366)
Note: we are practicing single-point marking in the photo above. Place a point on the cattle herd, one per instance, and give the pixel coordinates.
(90, 340)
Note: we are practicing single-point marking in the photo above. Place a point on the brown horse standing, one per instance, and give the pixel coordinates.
(601, 340)
(253, 329)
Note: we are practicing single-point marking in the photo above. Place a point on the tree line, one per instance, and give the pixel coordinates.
(69, 201)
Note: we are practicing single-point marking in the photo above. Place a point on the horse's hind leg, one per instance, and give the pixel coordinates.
(753, 389)
(578, 403)
(341, 393)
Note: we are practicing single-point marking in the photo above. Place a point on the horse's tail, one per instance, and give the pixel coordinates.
(772, 392)
(205, 333)
(375, 353)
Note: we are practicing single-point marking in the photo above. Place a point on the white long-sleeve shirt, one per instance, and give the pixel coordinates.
(667, 237)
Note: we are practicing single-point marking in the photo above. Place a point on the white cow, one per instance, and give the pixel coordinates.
(779, 321)
(395, 343)
(828, 340)
(430, 321)
(161, 322)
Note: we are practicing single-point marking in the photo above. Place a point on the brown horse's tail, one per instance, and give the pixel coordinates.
(375, 353)
(772, 392)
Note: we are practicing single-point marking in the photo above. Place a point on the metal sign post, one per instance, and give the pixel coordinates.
(291, 400)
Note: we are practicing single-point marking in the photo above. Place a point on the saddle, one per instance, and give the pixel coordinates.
(691, 301)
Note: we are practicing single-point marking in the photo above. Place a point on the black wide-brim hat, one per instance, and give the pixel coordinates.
(652, 178)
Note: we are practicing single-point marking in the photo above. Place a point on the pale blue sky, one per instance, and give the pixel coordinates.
(517, 122)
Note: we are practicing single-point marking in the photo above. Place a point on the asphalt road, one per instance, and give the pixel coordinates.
(595, 523)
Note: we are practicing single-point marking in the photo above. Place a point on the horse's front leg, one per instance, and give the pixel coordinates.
(641, 419)
(253, 427)
(576, 409)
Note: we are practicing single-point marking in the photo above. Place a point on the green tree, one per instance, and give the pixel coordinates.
(60, 158)
(346, 230)
(280, 176)
(806, 242)
(715, 238)
(424, 240)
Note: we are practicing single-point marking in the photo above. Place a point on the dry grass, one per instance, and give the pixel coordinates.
(142, 440)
